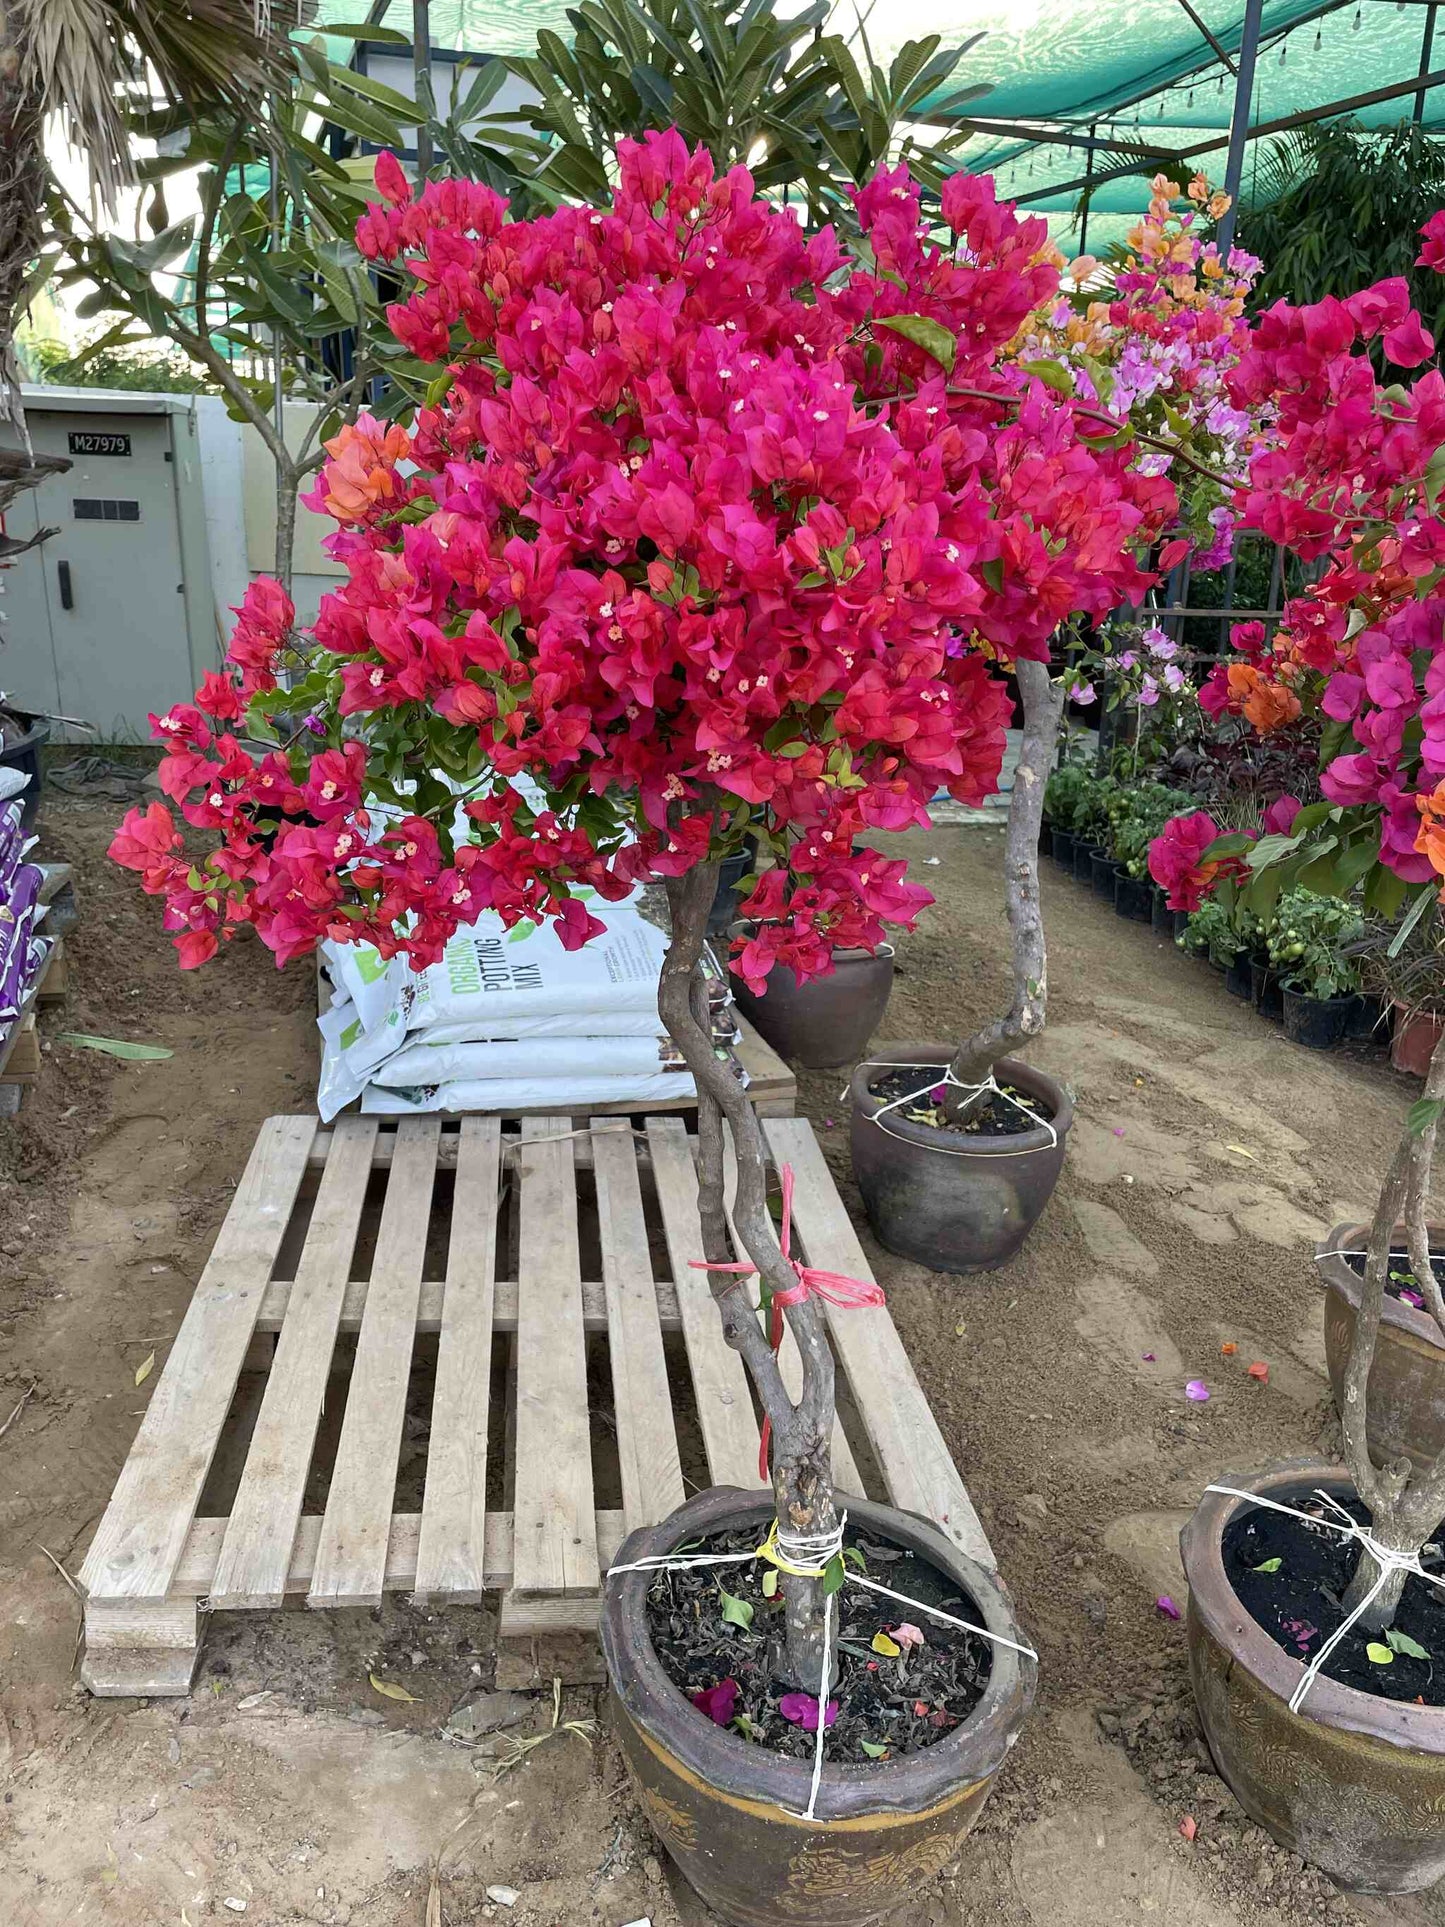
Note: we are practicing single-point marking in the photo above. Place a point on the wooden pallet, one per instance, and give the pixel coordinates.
(549, 1245)
(772, 1084)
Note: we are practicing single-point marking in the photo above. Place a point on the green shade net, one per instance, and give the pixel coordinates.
(1130, 70)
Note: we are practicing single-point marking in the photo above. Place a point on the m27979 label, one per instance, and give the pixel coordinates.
(90, 441)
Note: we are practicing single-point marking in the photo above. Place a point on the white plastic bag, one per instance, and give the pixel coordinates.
(426, 1062)
(561, 1095)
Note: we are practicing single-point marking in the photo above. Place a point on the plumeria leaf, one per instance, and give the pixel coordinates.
(389, 1689)
(770, 1582)
(1399, 1642)
(1378, 1654)
(1269, 1565)
(931, 336)
(834, 1574)
(1424, 1112)
(735, 1611)
(874, 1750)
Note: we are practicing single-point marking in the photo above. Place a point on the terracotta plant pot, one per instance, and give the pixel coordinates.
(1353, 1783)
(1405, 1398)
(954, 1203)
(727, 1810)
(1414, 1040)
(828, 1020)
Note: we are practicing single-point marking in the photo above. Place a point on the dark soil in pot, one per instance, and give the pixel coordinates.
(1265, 990)
(1133, 897)
(895, 1703)
(1084, 854)
(1355, 1780)
(1101, 874)
(827, 1021)
(1290, 1578)
(729, 1810)
(1405, 1409)
(954, 1200)
(1238, 976)
(1316, 1022)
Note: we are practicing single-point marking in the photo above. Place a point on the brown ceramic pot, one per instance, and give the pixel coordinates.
(728, 1811)
(1354, 1784)
(827, 1021)
(956, 1204)
(1405, 1403)
(1413, 1041)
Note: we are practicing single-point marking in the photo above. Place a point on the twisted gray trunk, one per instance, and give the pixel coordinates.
(802, 1433)
(1406, 1503)
(1043, 703)
(22, 193)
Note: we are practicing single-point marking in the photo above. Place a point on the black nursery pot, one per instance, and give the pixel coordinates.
(945, 1200)
(1264, 988)
(1319, 1023)
(1238, 975)
(729, 1811)
(1133, 897)
(731, 872)
(1368, 1021)
(1160, 915)
(1180, 923)
(1084, 854)
(1101, 874)
(1063, 849)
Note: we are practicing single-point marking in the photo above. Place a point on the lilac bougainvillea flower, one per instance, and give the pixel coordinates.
(1167, 1606)
(1197, 1390)
(1081, 692)
(718, 1702)
(802, 1710)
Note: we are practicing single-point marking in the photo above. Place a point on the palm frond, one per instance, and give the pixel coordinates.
(82, 58)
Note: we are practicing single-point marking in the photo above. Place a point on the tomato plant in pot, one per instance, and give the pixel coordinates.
(1318, 976)
(1315, 1618)
(697, 541)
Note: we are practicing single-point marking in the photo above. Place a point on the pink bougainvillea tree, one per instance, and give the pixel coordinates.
(708, 532)
(1351, 479)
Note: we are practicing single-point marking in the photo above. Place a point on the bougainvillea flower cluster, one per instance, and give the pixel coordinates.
(1352, 479)
(707, 529)
(1154, 345)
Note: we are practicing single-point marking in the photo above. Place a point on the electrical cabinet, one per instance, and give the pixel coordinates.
(113, 617)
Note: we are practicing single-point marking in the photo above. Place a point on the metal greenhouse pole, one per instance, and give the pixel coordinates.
(1239, 118)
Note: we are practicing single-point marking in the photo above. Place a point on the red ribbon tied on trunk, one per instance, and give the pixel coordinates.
(849, 1294)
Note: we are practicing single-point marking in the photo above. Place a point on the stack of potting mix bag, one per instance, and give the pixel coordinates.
(22, 950)
(507, 1020)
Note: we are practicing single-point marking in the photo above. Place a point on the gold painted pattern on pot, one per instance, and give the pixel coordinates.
(767, 1810)
(825, 1870)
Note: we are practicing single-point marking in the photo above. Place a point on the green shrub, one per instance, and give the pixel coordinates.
(1307, 943)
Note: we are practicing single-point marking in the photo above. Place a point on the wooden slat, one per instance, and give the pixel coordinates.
(351, 1557)
(257, 1549)
(911, 1453)
(554, 1531)
(646, 1436)
(846, 1476)
(203, 1548)
(433, 1291)
(139, 1540)
(724, 1403)
(454, 1508)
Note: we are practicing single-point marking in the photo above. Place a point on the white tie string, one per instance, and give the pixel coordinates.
(990, 1083)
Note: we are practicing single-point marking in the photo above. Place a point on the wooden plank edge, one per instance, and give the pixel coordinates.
(203, 1548)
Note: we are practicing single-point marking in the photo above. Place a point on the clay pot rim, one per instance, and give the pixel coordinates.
(1036, 1082)
(1216, 1605)
(847, 953)
(973, 1751)
(1337, 1272)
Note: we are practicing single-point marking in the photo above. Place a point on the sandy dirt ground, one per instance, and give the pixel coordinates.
(1207, 1156)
